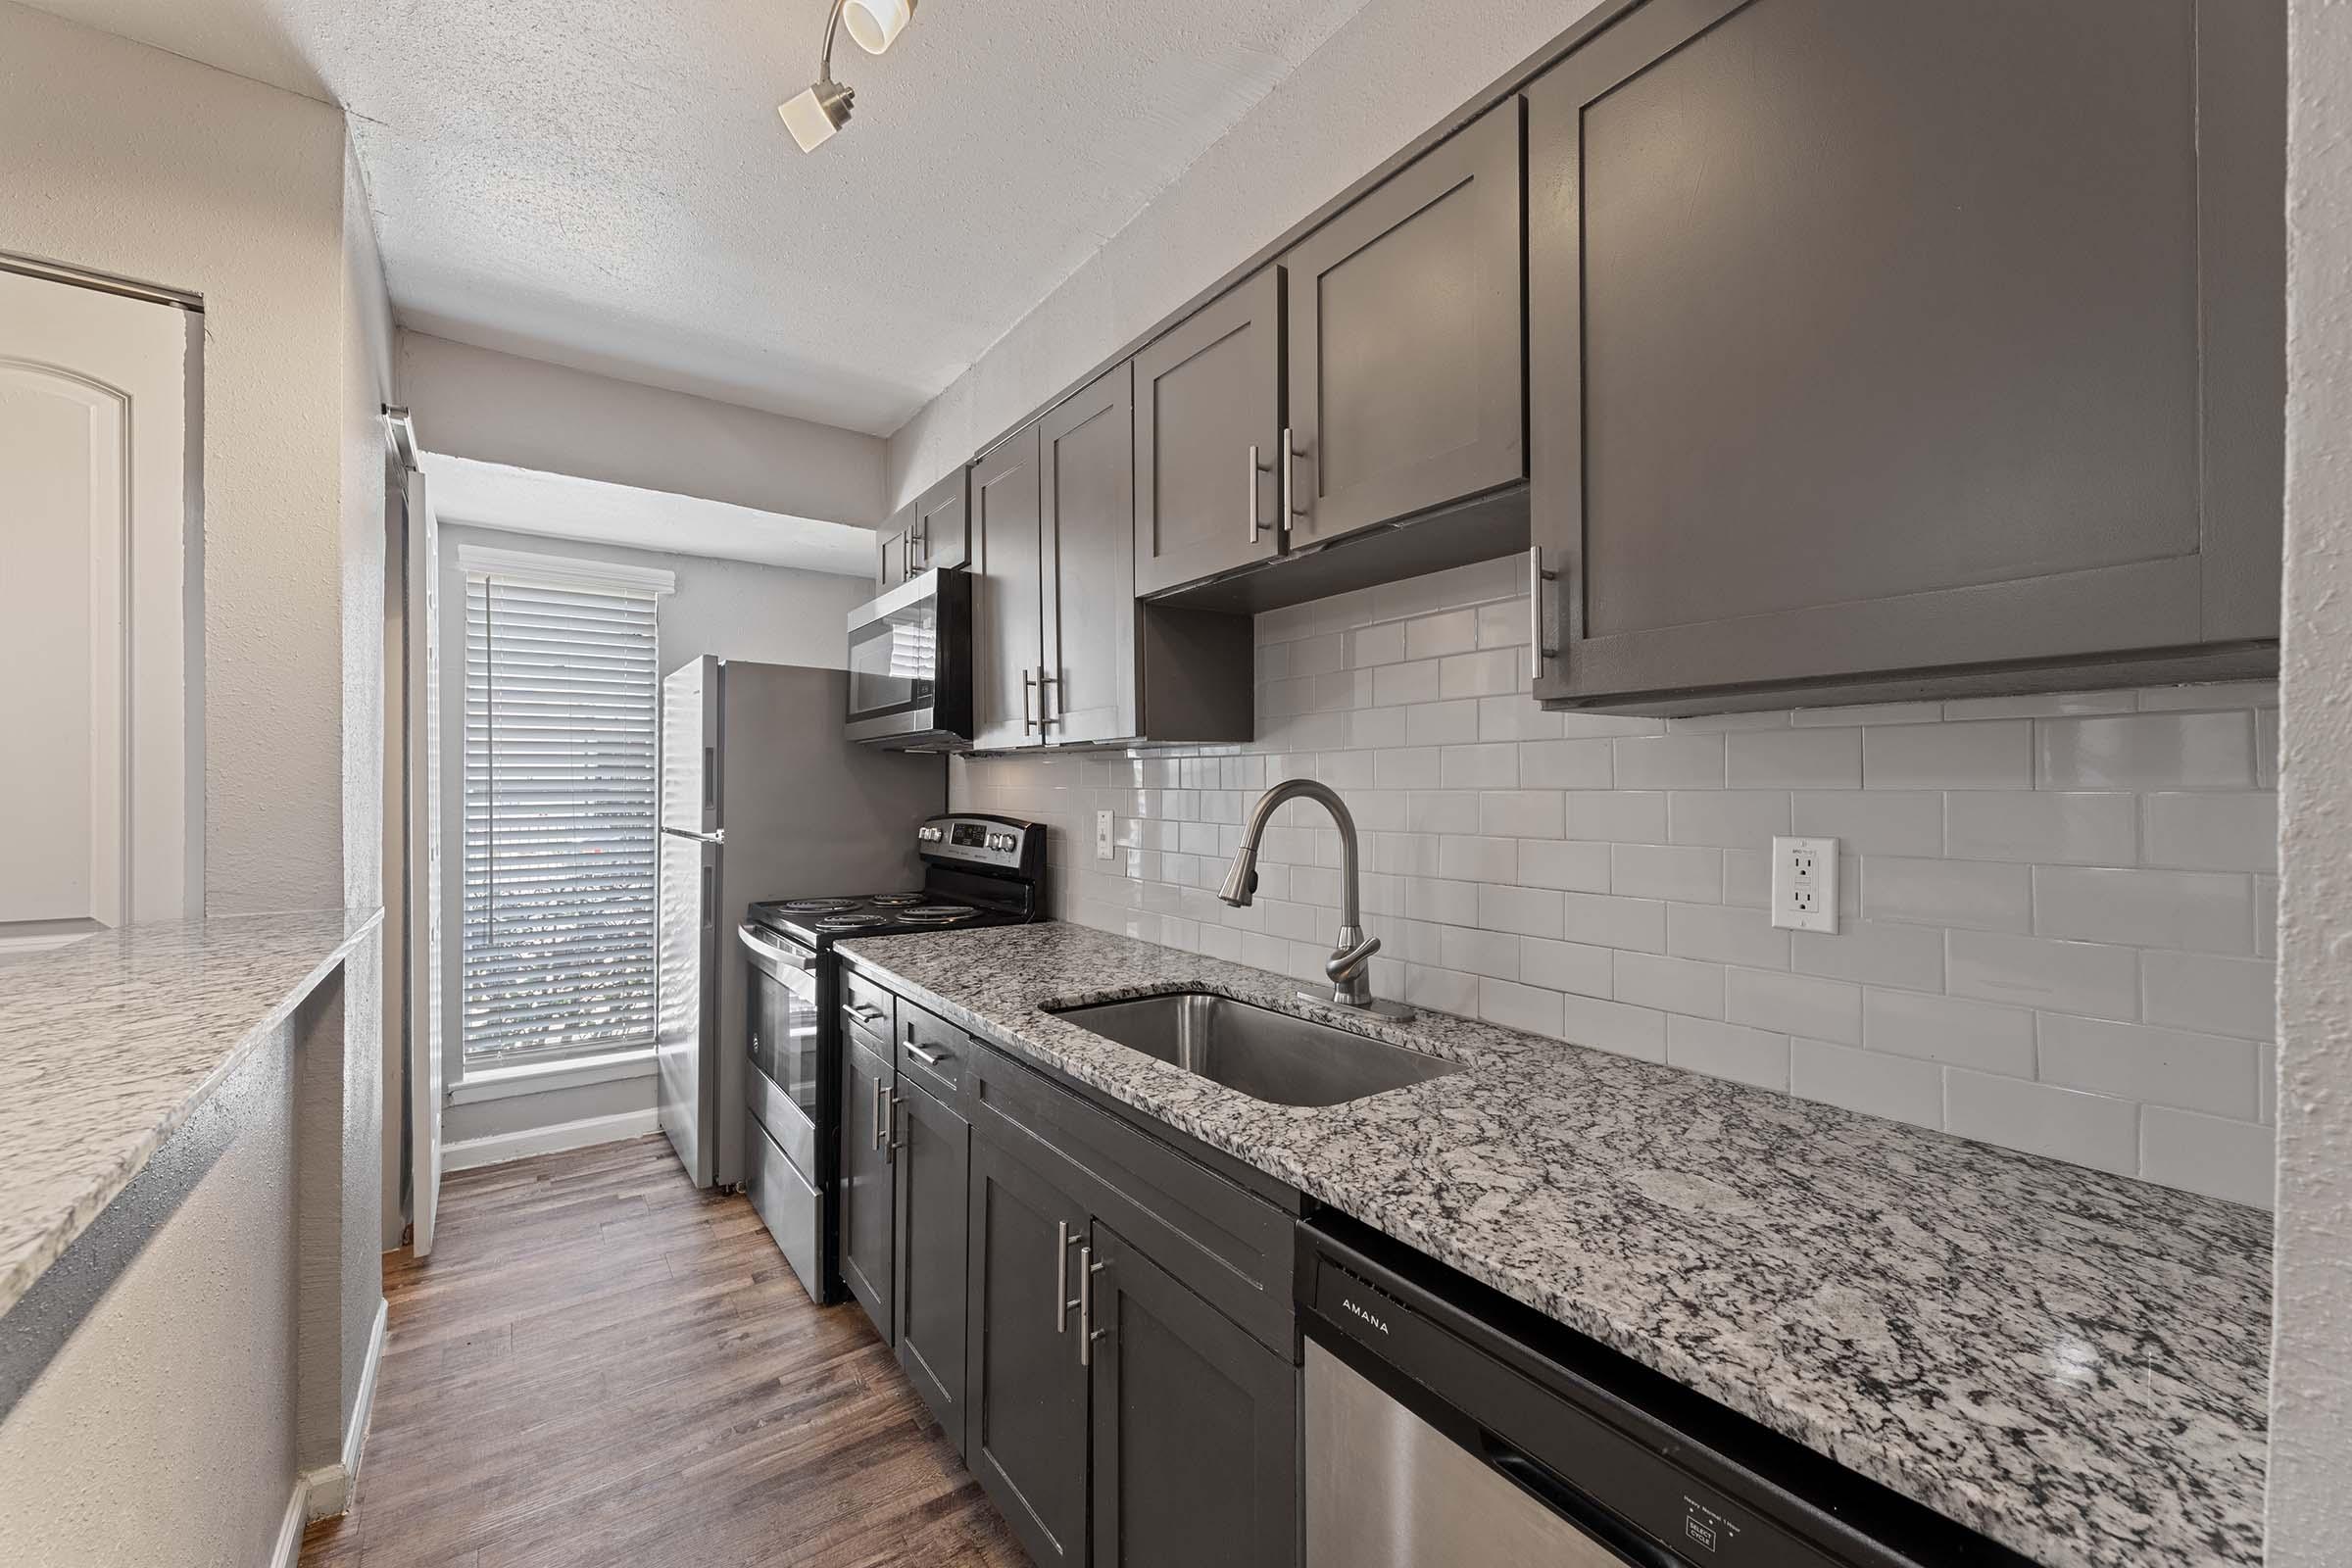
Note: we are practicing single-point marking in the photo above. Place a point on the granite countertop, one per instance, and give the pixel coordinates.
(109, 1045)
(2073, 1363)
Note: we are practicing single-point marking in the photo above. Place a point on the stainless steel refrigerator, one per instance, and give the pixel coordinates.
(761, 798)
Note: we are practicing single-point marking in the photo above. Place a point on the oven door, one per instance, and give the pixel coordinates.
(910, 664)
(785, 1028)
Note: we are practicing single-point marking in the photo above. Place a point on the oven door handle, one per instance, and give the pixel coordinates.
(779, 962)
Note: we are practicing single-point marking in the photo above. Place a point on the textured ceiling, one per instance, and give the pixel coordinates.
(604, 183)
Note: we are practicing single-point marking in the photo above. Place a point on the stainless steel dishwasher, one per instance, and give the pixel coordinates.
(1446, 1425)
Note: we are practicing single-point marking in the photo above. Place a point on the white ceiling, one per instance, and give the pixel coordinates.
(604, 183)
(558, 505)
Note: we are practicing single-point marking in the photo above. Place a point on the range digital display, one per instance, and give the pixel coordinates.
(969, 836)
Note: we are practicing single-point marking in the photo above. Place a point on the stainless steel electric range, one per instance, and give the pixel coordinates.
(977, 872)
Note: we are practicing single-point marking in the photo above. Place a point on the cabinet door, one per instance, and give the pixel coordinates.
(933, 1197)
(1008, 599)
(866, 1082)
(1196, 1426)
(1025, 1421)
(1905, 336)
(940, 527)
(890, 549)
(1087, 473)
(1207, 434)
(1407, 363)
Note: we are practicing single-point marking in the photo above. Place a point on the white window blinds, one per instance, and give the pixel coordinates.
(562, 724)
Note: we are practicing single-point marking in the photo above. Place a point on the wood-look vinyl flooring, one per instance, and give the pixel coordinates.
(602, 1365)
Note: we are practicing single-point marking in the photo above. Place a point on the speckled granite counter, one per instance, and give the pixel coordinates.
(2072, 1363)
(109, 1045)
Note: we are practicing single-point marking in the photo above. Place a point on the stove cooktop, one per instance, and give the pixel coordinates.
(820, 921)
(977, 871)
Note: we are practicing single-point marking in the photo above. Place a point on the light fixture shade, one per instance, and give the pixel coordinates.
(875, 24)
(813, 116)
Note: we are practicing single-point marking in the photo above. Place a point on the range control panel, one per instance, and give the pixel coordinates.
(1002, 843)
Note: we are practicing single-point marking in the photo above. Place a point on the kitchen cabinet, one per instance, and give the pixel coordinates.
(1062, 654)
(931, 530)
(1026, 1424)
(1009, 615)
(1195, 1423)
(1905, 349)
(867, 1083)
(1407, 366)
(1207, 436)
(933, 1160)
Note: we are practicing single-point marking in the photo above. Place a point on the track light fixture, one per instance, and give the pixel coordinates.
(815, 114)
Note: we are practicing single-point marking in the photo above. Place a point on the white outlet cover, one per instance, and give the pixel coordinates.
(1103, 850)
(1804, 884)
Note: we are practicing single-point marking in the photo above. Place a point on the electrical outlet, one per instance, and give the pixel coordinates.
(1804, 884)
(1103, 845)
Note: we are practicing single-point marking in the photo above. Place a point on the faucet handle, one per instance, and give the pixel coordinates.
(1343, 964)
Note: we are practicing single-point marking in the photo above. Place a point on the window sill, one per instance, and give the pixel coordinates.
(539, 1077)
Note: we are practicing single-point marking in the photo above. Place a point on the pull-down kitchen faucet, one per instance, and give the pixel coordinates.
(1350, 962)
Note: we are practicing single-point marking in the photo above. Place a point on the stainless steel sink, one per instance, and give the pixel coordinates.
(1263, 1054)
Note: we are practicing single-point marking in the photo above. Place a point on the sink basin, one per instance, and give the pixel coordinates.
(1263, 1054)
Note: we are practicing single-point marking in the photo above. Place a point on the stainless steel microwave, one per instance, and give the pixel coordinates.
(910, 666)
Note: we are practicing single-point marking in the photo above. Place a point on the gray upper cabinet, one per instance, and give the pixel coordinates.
(891, 546)
(1086, 470)
(1407, 363)
(1207, 433)
(1007, 596)
(1905, 348)
(939, 524)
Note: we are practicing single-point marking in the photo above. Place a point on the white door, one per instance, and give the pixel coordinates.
(423, 623)
(93, 626)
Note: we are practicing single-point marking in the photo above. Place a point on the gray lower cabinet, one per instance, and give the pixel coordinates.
(933, 1165)
(1407, 363)
(1907, 348)
(1207, 439)
(1025, 1422)
(1195, 1425)
(867, 1177)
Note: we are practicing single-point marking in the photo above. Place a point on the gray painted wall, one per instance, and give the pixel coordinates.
(732, 609)
(2311, 1372)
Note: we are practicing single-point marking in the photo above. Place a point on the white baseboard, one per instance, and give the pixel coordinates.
(328, 1489)
(475, 1152)
(287, 1553)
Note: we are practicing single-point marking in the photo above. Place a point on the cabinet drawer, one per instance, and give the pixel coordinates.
(868, 1005)
(932, 1050)
(1228, 1245)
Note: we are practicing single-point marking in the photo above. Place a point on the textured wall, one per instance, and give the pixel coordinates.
(2056, 921)
(2311, 1373)
(127, 160)
(164, 1430)
(1387, 76)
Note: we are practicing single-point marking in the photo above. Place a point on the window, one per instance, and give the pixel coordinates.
(563, 700)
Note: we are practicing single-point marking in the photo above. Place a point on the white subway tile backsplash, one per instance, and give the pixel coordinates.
(2220, 996)
(2201, 912)
(1977, 895)
(1867, 1081)
(2076, 827)
(2232, 1160)
(2169, 1066)
(1670, 762)
(2036, 972)
(2095, 1130)
(1795, 1005)
(1873, 952)
(1691, 875)
(2211, 832)
(1670, 985)
(1728, 1050)
(1729, 819)
(2146, 752)
(1872, 821)
(1994, 755)
(1793, 758)
(1597, 875)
